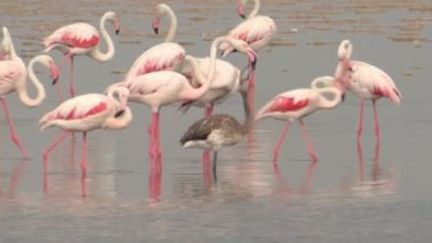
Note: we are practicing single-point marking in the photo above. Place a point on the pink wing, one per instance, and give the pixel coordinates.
(78, 108)
(376, 81)
(161, 57)
(253, 30)
(285, 104)
(78, 35)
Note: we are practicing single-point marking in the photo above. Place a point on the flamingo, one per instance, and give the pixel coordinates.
(161, 88)
(165, 56)
(366, 81)
(299, 103)
(257, 31)
(85, 113)
(215, 132)
(13, 76)
(83, 39)
(227, 81)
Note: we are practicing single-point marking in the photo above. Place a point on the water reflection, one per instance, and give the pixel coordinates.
(377, 181)
(9, 191)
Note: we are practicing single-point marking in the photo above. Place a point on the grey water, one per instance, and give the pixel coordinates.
(351, 194)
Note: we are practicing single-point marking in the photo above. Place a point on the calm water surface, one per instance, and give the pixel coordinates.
(353, 194)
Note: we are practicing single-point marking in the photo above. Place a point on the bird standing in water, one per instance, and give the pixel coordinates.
(366, 81)
(215, 132)
(299, 103)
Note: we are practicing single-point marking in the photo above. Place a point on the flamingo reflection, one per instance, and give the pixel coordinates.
(306, 186)
(15, 179)
(376, 185)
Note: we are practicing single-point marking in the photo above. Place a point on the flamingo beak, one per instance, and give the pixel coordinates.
(343, 97)
(241, 9)
(117, 31)
(155, 25)
(117, 26)
(54, 73)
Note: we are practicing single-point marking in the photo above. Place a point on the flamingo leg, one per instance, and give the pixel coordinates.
(360, 122)
(84, 156)
(206, 162)
(208, 110)
(360, 161)
(377, 127)
(154, 149)
(307, 140)
(154, 187)
(13, 135)
(72, 88)
(214, 166)
(251, 91)
(276, 149)
(54, 143)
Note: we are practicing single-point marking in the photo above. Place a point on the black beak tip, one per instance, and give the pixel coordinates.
(343, 97)
(156, 31)
(54, 82)
(117, 32)
(243, 16)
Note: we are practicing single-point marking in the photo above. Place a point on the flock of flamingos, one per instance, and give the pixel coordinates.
(166, 75)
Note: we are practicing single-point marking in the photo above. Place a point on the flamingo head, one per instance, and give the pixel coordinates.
(156, 24)
(236, 45)
(48, 62)
(344, 51)
(113, 18)
(54, 71)
(241, 8)
(119, 92)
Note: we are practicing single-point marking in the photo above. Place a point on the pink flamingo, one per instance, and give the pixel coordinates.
(166, 56)
(83, 39)
(366, 81)
(13, 76)
(161, 88)
(227, 81)
(299, 103)
(257, 31)
(85, 113)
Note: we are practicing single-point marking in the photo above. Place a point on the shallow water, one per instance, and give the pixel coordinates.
(352, 194)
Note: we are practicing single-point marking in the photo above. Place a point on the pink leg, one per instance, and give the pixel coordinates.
(84, 155)
(308, 143)
(377, 128)
(54, 143)
(208, 110)
(12, 132)
(360, 160)
(155, 183)
(72, 88)
(154, 149)
(83, 184)
(281, 139)
(251, 92)
(360, 122)
(206, 165)
(66, 57)
(376, 166)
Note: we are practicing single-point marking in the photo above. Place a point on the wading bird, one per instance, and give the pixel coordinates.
(366, 81)
(299, 103)
(13, 77)
(83, 39)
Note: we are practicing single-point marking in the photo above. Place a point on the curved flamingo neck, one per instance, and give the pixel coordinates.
(116, 123)
(326, 103)
(173, 25)
(21, 86)
(255, 9)
(96, 53)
